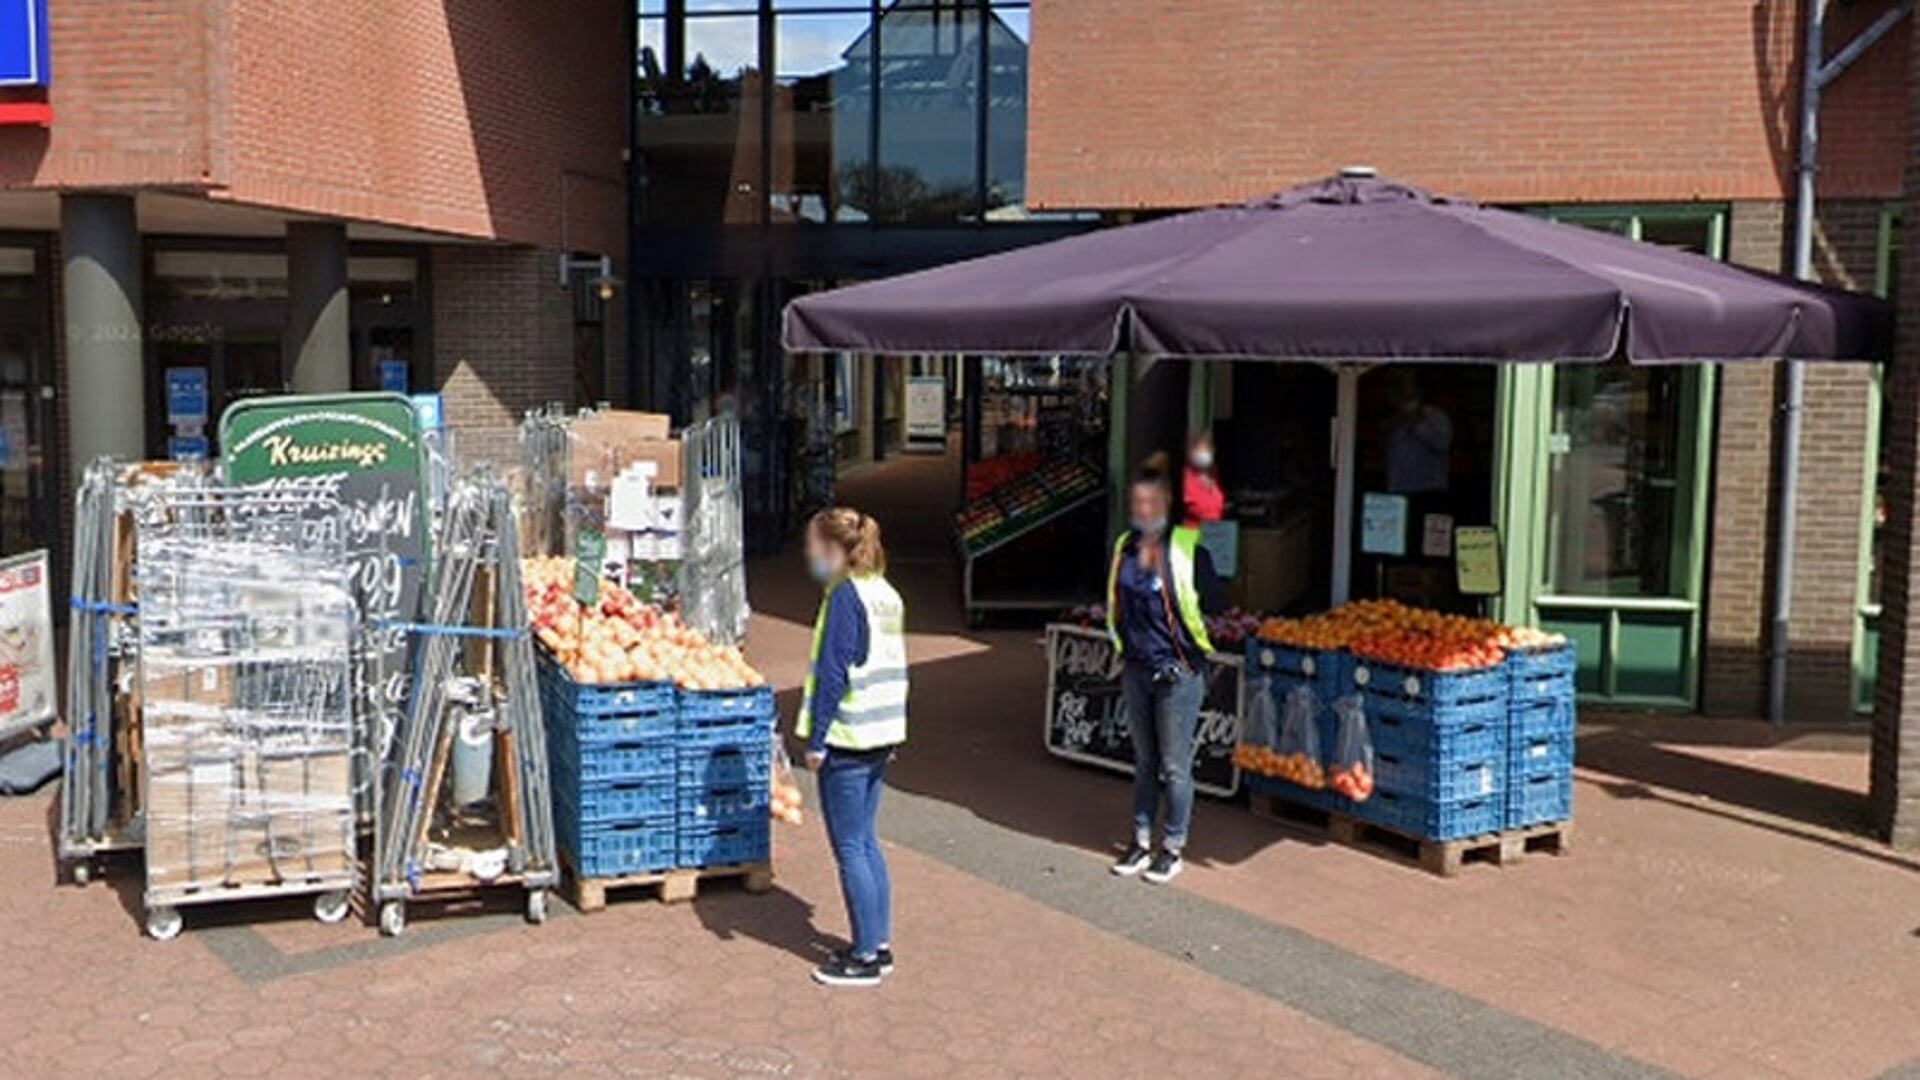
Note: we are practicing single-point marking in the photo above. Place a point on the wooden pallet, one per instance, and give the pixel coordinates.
(1442, 857)
(589, 894)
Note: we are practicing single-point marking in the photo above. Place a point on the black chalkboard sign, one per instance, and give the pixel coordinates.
(365, 449)
(1086, 710)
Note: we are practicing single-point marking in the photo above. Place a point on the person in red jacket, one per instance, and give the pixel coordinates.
(1200, 492)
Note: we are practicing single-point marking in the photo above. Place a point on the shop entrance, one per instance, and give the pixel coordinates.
(29, 501)
(1424, 466)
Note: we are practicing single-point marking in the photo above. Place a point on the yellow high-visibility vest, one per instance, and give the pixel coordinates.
(874, 712)
(1182, 551)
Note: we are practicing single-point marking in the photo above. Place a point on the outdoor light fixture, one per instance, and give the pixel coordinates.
(601, 267)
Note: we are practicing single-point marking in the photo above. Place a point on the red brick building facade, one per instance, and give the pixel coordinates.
(1645, 107)
(453, 152)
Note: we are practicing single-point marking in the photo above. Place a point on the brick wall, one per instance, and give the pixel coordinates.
(130, 94)
(1895, 769)
(1833, 450)
(1171, 103)
(500, 119)
(502, 341)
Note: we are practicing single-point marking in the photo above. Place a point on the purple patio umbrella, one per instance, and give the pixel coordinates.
(1350, 269)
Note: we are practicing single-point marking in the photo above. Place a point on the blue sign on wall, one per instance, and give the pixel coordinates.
(23, 43)
(187, 395)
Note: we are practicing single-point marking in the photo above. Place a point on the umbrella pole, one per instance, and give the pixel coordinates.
(1346, 428)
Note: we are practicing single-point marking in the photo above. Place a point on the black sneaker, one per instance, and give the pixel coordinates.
(844, 970)
(1134, 861)
(1166, 867)
(884, 958)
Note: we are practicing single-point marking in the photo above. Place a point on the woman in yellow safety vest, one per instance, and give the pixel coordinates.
(853, 715)
(1160, 585)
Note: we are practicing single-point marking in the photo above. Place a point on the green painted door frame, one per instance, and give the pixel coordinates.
(1866, 619)
(1635, 651)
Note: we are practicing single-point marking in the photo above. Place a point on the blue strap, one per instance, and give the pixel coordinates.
(105, 607)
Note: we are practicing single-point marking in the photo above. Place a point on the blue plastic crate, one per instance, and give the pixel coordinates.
(602, 728)
(1522, 688)
(617, 850)
(1419, 776)
(1427, 820)
(1479, 734)
(1329, 670)
(731, 766)
(1547, 662)
(1432, 691)
(607, 700)
(727, 732)
(722, 805)
(611, 802)
(1539, 799)
(1540, 734)
(617, 761)
(695, 705)
(726, 844)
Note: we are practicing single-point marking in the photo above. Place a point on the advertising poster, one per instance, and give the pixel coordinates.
(26, 644)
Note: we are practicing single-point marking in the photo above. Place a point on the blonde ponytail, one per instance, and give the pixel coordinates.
(855, 533)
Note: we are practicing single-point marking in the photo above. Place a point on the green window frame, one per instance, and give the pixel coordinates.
(1635, 651)
(1866, 619)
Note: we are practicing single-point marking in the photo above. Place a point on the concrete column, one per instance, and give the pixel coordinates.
(106, 398)
(318, 343)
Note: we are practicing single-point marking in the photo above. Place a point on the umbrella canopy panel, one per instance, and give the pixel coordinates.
(1348, 269)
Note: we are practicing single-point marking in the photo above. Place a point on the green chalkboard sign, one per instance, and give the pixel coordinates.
(365, 449)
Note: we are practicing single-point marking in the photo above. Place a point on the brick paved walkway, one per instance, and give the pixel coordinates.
(1718, 920)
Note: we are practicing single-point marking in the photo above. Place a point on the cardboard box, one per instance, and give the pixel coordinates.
(168, 682)
(604, 443)
(248, 819)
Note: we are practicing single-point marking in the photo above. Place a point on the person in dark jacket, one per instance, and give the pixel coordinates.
(1160, 586)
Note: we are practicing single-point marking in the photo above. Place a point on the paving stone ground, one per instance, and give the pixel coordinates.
(1721, 917)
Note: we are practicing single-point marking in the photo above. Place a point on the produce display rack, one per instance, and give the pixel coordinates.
(1017, 509)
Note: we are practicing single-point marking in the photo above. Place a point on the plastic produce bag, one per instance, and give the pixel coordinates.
(786, 790)
(1351, 772)
(1299, 746)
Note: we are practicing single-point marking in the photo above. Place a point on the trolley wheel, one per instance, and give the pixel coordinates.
(537, 906)
(393, 918)
(331, 907)
(163, 923)
(81, 872)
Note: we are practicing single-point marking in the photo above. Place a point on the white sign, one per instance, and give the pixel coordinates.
(1383, 524)
(927, 412)
(1436, 536)
(26, 643)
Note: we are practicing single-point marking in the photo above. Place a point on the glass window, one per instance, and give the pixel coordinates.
(1620, 481)
(1008, 35)
(219, 275)
(820, 126)
(700, 119)
(16, 273)
(930, 92)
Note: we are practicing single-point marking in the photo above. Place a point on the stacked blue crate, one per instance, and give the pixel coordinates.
(615, 776)
(1329, 674)
(724, 766)
(1540, 728)
(1440, 750)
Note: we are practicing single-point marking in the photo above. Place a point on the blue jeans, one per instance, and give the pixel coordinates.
(1163, 720)
(850, 786)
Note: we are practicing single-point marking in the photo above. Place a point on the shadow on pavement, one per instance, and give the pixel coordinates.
(778, 918)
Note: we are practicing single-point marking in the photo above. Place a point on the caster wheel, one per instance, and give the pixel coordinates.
(331, 907)
(163, 924)
(537, 906)
(393, 918)
(81, 873)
